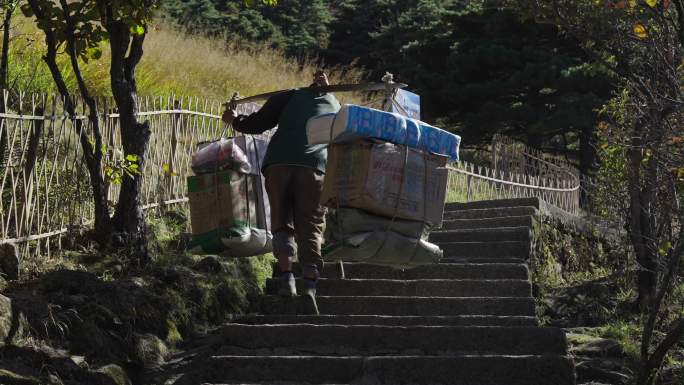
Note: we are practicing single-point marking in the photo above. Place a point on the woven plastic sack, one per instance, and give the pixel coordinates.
(219, 155)
(344, 221)
(384, 248)
(233, 242)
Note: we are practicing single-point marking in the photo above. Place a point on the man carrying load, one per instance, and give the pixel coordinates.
(294, 172)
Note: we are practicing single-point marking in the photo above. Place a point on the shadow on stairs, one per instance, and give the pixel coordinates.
(467, 320)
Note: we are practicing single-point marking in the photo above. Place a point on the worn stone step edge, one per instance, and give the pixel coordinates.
(469, 320)
(493, 203)
(491, 213)
(483, 260)
(489, 223)
(438, 271)
(519, 234)
(491, 370)
(390, 340)
(419, 287)
(485, 249)
(499, 230)
(389, 305)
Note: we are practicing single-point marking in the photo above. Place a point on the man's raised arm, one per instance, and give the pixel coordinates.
(266, 118)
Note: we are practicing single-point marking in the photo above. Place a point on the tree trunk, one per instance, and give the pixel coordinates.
(651, 362)
(129, 218)
(587, 151)
(4, 60)
(4, 67)
(655, 361)
(639, 230)
(92, 155)
(587, 161)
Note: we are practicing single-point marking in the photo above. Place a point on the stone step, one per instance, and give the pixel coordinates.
(488, 223)
(435, 271)
(484, 260)
(495, 203)
(390, 370)
(469, 320)
(335, 340)
(517, 234)
(415, 288)
(411, 306)
(502, 249)
(490, 213)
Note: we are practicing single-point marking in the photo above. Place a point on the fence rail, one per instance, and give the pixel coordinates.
(516, 171)
(46, 192)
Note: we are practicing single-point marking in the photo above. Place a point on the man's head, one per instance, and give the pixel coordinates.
(320, 79)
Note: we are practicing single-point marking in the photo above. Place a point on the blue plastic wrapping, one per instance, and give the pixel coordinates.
(354, 122)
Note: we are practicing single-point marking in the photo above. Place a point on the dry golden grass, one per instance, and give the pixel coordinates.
(184, 65)
(202, 67)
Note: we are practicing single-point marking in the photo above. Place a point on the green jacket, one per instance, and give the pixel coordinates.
(290, 111)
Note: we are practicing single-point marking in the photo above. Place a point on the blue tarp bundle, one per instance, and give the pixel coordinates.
(354, 122)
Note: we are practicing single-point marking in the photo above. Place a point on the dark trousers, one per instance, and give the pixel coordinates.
(297, 216)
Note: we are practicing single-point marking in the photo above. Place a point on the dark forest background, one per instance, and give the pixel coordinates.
(479, 71)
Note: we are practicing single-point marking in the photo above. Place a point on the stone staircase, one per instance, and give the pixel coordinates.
(469, 320)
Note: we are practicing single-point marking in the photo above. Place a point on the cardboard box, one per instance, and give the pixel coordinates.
(386, 179)
(226, 199)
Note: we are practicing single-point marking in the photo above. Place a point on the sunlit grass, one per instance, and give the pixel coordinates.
(175, 63)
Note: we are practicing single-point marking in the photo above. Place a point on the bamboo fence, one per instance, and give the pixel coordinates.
(45, 186)
(516, 171)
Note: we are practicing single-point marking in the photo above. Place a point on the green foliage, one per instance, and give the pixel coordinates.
(115, 170)
(484, 71)
(8, 5)
(303, 25)
(627, 333)
(252, 3)
(79, 25)
(81, 29)
(609, 193)
(229, 18)
(297, 26)
(565, 253)
(355, 21)
(27, 71)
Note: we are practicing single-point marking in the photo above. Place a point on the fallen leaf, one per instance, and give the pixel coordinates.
(640, 31)
(675, 140)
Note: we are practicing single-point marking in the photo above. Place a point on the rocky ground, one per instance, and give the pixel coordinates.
(97, 323)
(603, 334)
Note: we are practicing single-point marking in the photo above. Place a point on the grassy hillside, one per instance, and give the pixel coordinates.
(176, 63)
